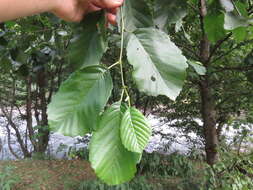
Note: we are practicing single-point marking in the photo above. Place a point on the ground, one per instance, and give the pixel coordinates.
(48, 174)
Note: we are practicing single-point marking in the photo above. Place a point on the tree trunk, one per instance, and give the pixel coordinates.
(208, 111)
(29, 117)
(43, 131)
(209, 123)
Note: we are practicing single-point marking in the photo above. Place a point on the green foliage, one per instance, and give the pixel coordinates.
(40, 156)
(214, 26)
(137, 15)
(109, 158)
(233, 172)
(82, 153)
(169, 12)
(34, 65)
(134, 130)
(119, 134)
(140, 183)
(158, 66)
(233, 21)
(91, 36)
(76, 107)
(238, 18)
(7, 179)
(249, 63)
(173, 165)
(198, 67)
(152, 49)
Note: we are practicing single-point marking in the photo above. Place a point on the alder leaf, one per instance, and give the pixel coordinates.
(227, 5)
(112, 162)
(214, 26)
(159, 66)
(90, 43)
(75, 109)
(169, 12)
(233, 21)
(136, 14)
(198, 67)
(135, 130)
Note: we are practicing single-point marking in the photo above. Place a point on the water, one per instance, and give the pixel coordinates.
(167, 141)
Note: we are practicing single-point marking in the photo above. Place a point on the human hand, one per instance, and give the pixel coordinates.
(75, 10)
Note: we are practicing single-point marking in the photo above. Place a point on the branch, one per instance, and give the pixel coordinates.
(192, 6)
(238, 68)
(9, 142)
(203, 13)
(231, 50)
(189, 49)
(240, 144)
(218, 45)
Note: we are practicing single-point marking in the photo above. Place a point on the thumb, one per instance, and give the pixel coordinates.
(108, 4)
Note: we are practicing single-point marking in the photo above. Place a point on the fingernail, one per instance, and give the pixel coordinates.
(119, 1)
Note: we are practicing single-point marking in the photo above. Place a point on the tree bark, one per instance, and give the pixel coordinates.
(209, 123)
(29, 118)
(43, 131)
(208, 111)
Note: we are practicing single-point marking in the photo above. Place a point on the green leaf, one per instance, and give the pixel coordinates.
(137, 15)
(159, 66)
(75, 109)
(5, 64)
(214, 27)
(249, 62)
(242, 8)
(249, 75)
(48, 35)
(233, 21)
(227, 5)
(169, 12)
(3, 41)
(240, 34)
(198, 67)
(134, 130)
(111, 161)
(22, 71)
(137, 157)
(90, 44)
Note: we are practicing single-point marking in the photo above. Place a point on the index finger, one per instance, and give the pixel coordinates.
(108, 4)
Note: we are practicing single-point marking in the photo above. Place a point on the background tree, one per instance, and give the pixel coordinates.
(33, 63)
(214, 97)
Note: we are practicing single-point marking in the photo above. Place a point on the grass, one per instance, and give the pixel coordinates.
(74, 175)
(155, 172)
(49, 174)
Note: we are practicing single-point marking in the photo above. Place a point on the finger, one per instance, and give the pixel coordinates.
(111, 18)
(113, 11)
(108, 4)
(93, 8)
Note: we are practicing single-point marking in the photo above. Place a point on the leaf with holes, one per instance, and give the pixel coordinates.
(134, 130)
(75, 109)
(159, 66)
(112, 162)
